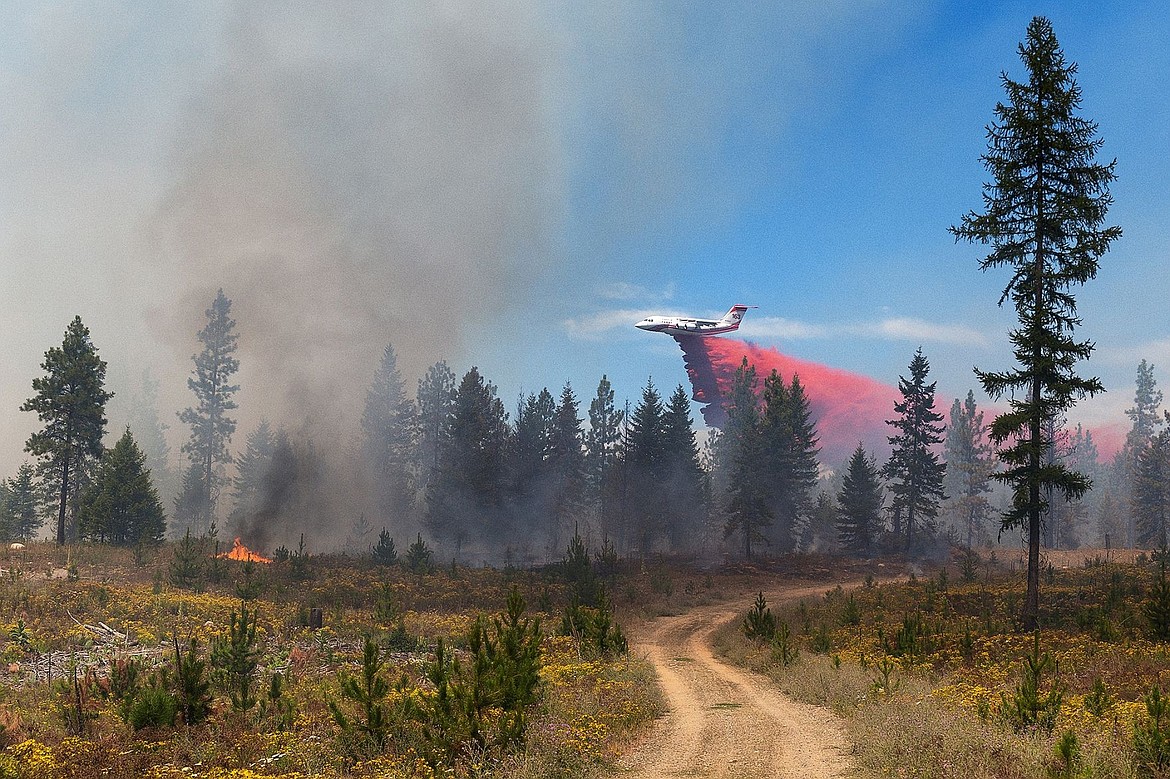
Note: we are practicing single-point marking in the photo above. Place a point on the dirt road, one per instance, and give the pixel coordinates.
(725, 721)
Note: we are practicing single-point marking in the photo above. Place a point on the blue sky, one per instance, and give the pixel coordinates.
(512, 187)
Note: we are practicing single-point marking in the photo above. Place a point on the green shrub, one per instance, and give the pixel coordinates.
(759, 624)
(784, 651)
(364, 734)
(384, 553)
(1151, 735)
(236, 657)
(1029, 708)
(152, 707)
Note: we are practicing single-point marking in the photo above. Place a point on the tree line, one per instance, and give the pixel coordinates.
(454, 462)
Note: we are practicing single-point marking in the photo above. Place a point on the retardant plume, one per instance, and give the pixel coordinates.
(847, 407)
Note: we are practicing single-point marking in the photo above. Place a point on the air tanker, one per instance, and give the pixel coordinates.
(678, 325)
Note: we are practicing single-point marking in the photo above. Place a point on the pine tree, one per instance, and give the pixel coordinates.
(235, 659)
(70, 401)
(1044, 212)
(822, 529)
(23, 504)
(790, 465)
(150, 433)
(211, 427)
(914, 467)
(384, 553)
(1150, 495)
(253, 471)
(748, 509)
(566, 466)
(6, 518)
(468, 492)
(602, 448)
(190, 503)
(528, 451)
(860, 505)
(122, 506)
(969, 466)
(644, 464)
(436, 402)
(1146, 418)
(687, 492)
(389, 424)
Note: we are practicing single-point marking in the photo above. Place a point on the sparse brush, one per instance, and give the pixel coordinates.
(884, 684)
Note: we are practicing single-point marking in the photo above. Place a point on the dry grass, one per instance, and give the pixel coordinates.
(941, 717)
(588, 710)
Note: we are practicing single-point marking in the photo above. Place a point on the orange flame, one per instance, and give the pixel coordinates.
(244, 554)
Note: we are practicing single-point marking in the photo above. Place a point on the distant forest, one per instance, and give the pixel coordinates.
(485, 483)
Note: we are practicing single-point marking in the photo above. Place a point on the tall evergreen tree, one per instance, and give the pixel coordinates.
(687, 493)
(822, 530)
(6, 518)
(602, 448)
(914, 469)
(566, 467)
(150, 434)
(969, 466)
(252, 472)
(436, 402)
(529, 445)
(1043, 219)
(121, 506)
(1146, 418)
(644, 464)
(389, 428)
(1150, 497)
(24, 508)
(468, 492)
(749, 510)
(211, 427)
(790, 465)
(70, 401)
(859, 518)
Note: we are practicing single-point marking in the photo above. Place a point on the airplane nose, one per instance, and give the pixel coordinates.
(644, 325)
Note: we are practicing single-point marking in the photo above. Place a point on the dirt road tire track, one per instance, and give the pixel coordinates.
(724, 721)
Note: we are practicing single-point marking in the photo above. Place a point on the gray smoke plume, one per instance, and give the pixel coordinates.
(354, 177)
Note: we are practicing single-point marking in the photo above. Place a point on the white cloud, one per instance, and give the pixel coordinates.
(621, 290)
(597, 326)
(911, 329)
(1156, 352)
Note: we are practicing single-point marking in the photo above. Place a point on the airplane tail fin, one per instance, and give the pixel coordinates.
(733, 317)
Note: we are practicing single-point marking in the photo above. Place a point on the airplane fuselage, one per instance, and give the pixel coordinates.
(679, 326)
